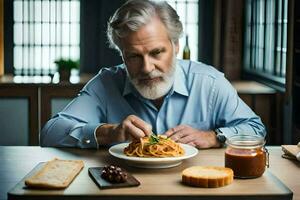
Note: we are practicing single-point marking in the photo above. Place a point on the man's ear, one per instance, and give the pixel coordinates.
(176, 47)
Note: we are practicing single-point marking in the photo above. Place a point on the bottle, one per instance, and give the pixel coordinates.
(186, 49)
(246, 156)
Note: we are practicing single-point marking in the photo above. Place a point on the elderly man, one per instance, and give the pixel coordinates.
(152, 91)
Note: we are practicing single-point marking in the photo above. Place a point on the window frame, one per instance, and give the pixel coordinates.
(249, 70)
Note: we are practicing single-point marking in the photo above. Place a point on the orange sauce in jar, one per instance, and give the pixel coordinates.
(246, 156)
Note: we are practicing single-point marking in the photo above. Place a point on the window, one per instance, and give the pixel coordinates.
(188, 13)
(44, 31)
(266, 40)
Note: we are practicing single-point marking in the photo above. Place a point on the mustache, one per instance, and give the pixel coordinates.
(153, 74)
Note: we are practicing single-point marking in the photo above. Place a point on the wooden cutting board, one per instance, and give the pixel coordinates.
(159, 185)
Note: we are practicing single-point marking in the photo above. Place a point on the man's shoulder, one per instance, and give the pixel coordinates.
(193, 67)
(108, 76)
(117, 71)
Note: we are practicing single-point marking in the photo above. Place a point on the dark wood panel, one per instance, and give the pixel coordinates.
(31, 93)
(248, 99)
(55, 91)
(269, 108)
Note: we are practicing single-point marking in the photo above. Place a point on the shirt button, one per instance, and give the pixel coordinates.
(86, 141)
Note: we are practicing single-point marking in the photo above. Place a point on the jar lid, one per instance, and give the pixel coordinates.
(245, 141)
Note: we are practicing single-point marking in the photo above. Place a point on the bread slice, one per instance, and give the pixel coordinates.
(207, 176)
(55, 174)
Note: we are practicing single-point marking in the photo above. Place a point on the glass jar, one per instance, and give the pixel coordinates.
(246, 155)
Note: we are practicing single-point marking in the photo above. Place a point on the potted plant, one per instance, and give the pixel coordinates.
(64, 67)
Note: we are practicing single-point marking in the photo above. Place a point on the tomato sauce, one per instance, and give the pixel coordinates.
(246, 163)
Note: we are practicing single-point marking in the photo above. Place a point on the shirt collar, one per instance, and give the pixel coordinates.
(179, 85)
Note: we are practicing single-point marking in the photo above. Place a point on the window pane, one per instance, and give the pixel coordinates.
(18, 37)
(52, 14)
(45, 34)
(74, 52)
(38, 57)
(247, 38)
(270, 36)
(279, 35)
(45, 11)
(284, 38)
(18, 55)
(75, 8)
(66, 11)
(192, 14)
(37, 11)
(66, 33)
(74, 34)
(18, 12)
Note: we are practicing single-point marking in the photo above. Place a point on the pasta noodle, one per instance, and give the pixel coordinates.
(154, 146)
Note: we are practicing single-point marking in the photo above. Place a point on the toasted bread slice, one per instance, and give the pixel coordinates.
(55, 174)
(207, 176)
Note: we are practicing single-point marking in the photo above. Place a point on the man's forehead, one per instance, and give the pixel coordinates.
(152, 32)
(137, 48)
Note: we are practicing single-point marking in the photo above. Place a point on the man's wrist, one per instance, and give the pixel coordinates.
(220, 136)
(104, 134)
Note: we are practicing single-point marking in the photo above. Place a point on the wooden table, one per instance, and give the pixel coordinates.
(16, 162)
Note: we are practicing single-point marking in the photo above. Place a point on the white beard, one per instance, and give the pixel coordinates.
(159, 89)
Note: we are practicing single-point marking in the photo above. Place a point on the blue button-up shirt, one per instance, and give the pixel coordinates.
(201, 97)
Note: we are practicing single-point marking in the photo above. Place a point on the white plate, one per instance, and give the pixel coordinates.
(117, 151)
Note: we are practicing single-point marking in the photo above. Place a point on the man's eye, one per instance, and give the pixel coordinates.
(156, 53)
(132, 56)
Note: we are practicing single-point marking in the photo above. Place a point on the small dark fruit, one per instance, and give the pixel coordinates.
(114, 174)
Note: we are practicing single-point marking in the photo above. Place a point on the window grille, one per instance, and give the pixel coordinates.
(44, 31)
(266, 39)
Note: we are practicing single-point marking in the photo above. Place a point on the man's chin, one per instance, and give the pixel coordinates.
(153, 92)
(151, 96)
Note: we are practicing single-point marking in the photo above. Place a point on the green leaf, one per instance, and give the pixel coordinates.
(154, 139)
(66, 64)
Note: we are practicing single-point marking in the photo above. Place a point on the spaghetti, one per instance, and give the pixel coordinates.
(154, 146)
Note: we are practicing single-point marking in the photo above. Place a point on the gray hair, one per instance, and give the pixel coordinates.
(134, 14)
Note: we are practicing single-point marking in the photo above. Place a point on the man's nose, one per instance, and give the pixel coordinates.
(148, 65)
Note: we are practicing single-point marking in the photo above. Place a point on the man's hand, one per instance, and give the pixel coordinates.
(197, 138)
(132, 127)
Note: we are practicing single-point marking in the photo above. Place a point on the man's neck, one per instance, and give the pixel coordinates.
(158, 102)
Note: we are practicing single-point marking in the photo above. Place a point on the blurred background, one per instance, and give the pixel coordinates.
(253, 42)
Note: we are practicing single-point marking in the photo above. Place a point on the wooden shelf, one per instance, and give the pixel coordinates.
(252, 87)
